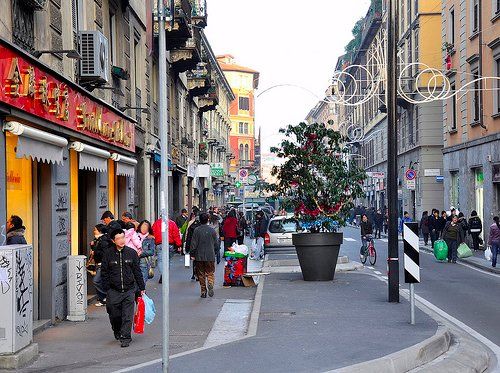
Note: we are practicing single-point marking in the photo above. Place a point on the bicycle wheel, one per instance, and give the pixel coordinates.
(373, 256)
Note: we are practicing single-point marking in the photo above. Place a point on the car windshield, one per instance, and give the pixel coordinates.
(282, 226)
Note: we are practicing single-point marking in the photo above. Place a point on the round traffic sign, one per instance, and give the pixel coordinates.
(410, 174)
(243, 173)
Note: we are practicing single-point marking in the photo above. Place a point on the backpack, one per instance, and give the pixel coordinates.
(475, 225)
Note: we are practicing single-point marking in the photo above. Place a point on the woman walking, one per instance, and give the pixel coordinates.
(230, 229)
(494, 240)
(424, 226)
(146, 237)
(453, 234)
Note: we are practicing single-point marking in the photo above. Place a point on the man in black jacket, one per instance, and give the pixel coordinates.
(109, 219)
(366, 234)
(121, 279)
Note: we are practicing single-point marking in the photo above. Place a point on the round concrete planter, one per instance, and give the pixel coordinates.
(318, 253)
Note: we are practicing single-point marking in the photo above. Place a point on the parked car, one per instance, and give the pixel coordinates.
(280, 230)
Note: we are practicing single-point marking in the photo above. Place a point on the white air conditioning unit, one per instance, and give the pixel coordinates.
(94, 64)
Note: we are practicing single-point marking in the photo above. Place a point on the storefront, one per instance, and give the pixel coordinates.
(67, 158)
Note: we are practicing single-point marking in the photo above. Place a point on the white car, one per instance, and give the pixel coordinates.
(280, 230)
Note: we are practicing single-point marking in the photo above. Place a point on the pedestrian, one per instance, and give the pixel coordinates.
(260, 228)
(386, 220)
(182, 218)
(127, 218)
(214, 223)
(132, 239)
(174, 242)
(111, 224)
(494, 240)
(366, 233)
(475, 230)
(195, 223)
(122, 281)
(434, 225)
(442, 221)
(405, 219)
(230, 229)
(453, 211)
(99, 246)
(463, 224)
(453, 234)
(202, 250)
(147, 239)
(242, 227)
(379, 222)
(15, 231)
(424, 226)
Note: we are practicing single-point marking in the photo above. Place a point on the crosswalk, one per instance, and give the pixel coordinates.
(350, 239)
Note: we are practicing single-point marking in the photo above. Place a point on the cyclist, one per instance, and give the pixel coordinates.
(366, 234)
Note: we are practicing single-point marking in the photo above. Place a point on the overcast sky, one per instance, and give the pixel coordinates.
(288, 42)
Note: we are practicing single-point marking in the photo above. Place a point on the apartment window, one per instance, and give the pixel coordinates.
(475, 98)
(241, 152)
(452, 26)
(496, 7)
(475, 16)
(137, 58)
(112, 37)
(497, 83)
(247, 152)
(453, 108)
(244, 103)
(23, 25)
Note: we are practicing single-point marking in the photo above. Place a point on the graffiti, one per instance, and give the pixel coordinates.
(22, 285)
(5, 274)
(103, 199)
(22, 329)
(61, 225)
(80, 283)
(3, 236)
(62, 199)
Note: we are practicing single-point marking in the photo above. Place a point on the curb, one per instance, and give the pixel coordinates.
(410, 358)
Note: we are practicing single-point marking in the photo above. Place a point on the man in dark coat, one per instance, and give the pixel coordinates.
(121, 280)
(182, 218)
(111, 224)
(204, 244)
(15, 231)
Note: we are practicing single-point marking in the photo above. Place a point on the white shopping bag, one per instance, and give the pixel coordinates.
(187, 260)
(487, 254)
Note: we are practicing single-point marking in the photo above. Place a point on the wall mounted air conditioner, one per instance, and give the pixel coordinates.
(94, 64)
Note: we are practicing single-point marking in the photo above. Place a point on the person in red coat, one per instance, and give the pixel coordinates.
(230, 229)
(174, 241)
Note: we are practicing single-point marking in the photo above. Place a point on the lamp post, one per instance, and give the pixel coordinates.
(392, 152)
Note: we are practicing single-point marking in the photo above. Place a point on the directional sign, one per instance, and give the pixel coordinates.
(411, 253)
(410, 174)
(243, 175)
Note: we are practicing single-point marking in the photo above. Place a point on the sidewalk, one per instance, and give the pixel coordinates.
(90, 345)
(314, 327)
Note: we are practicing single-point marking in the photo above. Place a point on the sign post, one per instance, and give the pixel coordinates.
(411, 262)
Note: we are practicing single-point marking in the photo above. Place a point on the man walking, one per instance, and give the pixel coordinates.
(111, 224)
(260, 232)
(121, 279)
(204, 244)
(182, 218)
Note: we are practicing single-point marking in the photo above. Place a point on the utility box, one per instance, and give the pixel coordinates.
(16, 298)
(77, 288)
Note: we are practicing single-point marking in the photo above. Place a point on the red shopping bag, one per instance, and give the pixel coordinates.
(140, 312)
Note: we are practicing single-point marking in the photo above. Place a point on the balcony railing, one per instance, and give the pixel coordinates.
(199, 12)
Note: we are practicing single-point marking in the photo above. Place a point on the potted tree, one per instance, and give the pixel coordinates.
(317, 180)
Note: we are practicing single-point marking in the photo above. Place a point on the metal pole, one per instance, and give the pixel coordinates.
(163, 127)
(412, 304)
(392, 152)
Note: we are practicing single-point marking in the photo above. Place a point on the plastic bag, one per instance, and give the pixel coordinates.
(241, 249)
(254, 250)
(488, 254)
(149, 309)
(187, 260)
(440, 250)
(139, 316)
(463, 251)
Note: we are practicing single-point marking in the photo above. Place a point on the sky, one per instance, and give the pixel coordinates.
(288, 42)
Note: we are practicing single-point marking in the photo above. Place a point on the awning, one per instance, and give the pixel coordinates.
(125, 166)
(90, 157)
(39, 145)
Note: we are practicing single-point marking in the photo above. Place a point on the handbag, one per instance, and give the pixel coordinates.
(151, 271)
(91, 265)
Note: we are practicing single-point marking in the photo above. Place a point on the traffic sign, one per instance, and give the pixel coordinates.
(411, 184)
(410, 174)
(252, 179)
(237, 184)
(243, 175)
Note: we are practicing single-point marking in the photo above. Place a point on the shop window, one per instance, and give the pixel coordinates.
(479, 191)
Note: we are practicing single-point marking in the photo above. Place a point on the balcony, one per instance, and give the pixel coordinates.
(199, 12)
(209, 101)
(179, 31)
(199, 80)
(188, 56)
(373, 20)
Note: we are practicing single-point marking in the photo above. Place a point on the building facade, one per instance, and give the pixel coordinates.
(471, 116)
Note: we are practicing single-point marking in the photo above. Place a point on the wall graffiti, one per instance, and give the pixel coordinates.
(62, 226)
(62, 199)
(80, 282)
(22, 285)
(22, 329)
(103, 199)
(5, 274)
(3, 235)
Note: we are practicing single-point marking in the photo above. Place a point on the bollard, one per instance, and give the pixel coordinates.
(77, 288)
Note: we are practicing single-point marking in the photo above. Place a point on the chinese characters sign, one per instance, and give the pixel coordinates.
(35, 91)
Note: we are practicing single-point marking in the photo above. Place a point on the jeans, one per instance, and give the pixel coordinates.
(452, 250)
(97, 280)
(144, 265)
(495, 250)
(426, 238)
(160, 257)
(120, 307)
(364, 242)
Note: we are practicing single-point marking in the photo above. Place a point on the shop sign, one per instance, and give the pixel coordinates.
(375, 174)
(34, 90)
(217, 169)
(432, 172)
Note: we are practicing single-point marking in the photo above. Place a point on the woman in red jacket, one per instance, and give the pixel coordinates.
(230, 229)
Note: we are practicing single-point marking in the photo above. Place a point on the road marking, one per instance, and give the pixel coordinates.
(349, 239)
(377, 272)
(370, 267)
(384, 239)
(384, 277)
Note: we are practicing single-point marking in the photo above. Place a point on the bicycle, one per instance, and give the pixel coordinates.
(369, 252)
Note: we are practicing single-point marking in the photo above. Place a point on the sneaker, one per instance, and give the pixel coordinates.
(125, 343)
(203, 295)
(100, 303)
(210, 291)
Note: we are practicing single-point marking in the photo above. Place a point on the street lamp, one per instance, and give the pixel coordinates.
(70, 53)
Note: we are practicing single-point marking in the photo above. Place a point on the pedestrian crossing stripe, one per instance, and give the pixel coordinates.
(411, 253)
(349, 239)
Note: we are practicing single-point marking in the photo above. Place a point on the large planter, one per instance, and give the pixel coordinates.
(318, 254)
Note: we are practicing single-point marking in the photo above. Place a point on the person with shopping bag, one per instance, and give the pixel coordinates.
(453, 235)
(121, 280)
(494, 240)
